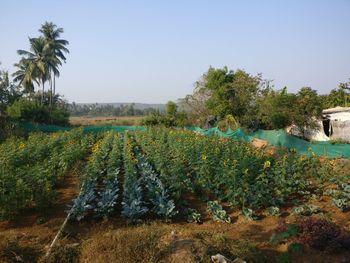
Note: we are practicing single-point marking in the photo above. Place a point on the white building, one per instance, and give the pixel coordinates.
(336, 123)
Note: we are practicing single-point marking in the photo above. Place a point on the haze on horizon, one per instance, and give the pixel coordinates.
(153, 51)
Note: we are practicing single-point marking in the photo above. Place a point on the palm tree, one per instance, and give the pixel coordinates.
(57, 46)
(26, 75)
(41, 61)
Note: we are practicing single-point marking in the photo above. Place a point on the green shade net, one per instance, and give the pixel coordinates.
(34, 127)
(277, 138)
(280, 138)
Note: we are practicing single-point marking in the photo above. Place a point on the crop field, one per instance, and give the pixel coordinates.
(174, 195)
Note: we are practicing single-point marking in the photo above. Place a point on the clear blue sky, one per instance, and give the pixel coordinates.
(153, 51)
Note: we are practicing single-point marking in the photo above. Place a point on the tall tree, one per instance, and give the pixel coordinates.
(41, 60)
(8, 91)
(232, 93)
(345, 87)
(57, 46)
(171, 109)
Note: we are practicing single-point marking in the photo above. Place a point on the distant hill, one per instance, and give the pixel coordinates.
(138, 106)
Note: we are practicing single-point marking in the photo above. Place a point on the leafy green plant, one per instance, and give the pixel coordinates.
(158, 194)
(307, 210)
(249, 214)
(342, 203)
(133, 206)
(283, 233)
(219, 214)
(193, 216)
(274, 211)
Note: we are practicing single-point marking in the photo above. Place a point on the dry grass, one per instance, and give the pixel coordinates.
(131, 244)
(118, 121)
(63, 253)
(159, 242)
(15, 249)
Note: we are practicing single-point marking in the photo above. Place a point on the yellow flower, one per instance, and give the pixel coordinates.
(96, 146)
(204, 157)
(22, 145)
(267, 164)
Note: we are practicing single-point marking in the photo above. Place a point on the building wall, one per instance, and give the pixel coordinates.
(341, 130)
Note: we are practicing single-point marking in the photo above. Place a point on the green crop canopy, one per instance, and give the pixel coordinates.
(277, 138)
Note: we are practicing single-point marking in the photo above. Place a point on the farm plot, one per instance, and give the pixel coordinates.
(168, 175)
(220, 170)
(160, 168)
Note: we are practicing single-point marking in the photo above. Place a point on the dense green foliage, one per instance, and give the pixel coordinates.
(253, 102)
(171, 118)
(26, 109)
(30, 169)
(8, 91)
(231, 171)
(161, 167)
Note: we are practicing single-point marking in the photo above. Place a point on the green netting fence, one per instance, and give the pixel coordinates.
(277, 138)
(280, 138)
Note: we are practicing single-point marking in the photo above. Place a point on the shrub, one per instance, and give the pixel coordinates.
(8, 129)
(316, 233)
(157, 119)
(179, 119)
(322, 234)
(28, 110)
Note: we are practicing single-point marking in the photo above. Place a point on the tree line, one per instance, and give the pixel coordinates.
(252, 102)
(109, 110)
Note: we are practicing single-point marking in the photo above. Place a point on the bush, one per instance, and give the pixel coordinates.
(157, 119)
(228, 122)
(8, 129)
(322, 234)
(27, 110)
(179, 119)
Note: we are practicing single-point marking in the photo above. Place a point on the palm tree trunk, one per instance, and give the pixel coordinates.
(54, 84)
(42, 93)
(50, 92)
